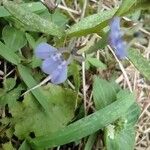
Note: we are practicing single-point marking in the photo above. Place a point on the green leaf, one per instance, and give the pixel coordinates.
(96, 63)
(25, 74)
(100, 44)
(121, 136)
(31, 40)
(13, 38)
(10, 97)
(33, 6)
(33, 21)
(36, 62)
(90, 142)
(9, 84)
(24, 146)
(60, 19)
(80, 128)
(28, 117)
(90, 24)
(57, 17)
(132, 114)
(140, 5)
(8, 54)
(96, 22)
(103, 93)
(139, 62)
(125, 6)
(75, 72)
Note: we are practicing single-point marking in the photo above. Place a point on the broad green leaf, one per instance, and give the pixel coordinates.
(121, 135)
(132, 115)
(91, 24)
(9, 83)
(8, 54)
(140, 62)
(13, 38)
(103, 93)
(60, 19)
(33, 6)
(57, 17)
(96, 63)
(28, 117)
(33, 21)
(125, 6)
(10, 97)
(25, 74)
(80, 128)
(120, 140)
(31, 40)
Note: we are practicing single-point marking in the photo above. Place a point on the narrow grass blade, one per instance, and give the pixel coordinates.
(140, 5)
(87, 125)
(140, 62)
(125, 6)
(30, 82)
(90, 142)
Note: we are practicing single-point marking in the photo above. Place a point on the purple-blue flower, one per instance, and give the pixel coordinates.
(115, 39)
(53, 63)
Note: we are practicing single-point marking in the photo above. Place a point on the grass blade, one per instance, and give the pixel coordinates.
(125, 6)
(87, 125)
(90, 142)
(30, 82)
(140, 62)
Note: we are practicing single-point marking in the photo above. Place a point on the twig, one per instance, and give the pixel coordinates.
(84, 83)
(70, 14)
(122, 69)
(69, 9)
(40, 84)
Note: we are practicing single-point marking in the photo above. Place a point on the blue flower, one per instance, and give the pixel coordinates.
(53, 63)
(115, 39)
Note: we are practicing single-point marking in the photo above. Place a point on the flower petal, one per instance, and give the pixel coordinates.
(115, 32)
(44, 50)
(121, 49)
(115, 24)
(59, 75)
(50, 64)
(115, 39)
